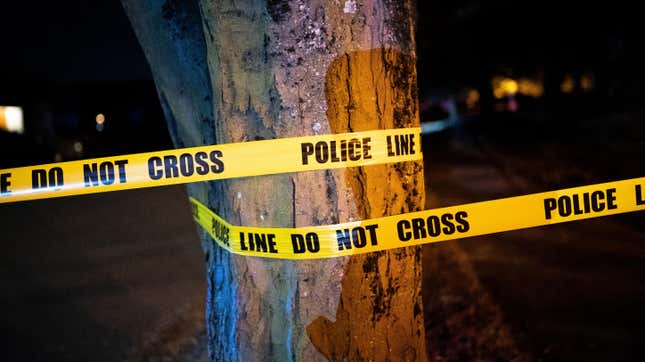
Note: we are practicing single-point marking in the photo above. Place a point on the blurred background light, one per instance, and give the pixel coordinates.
(472, 98)
(100, 122)
(78, 147)
(530, 87)
(568, 84)
(503, 87)
(587, 82)
(11, 119)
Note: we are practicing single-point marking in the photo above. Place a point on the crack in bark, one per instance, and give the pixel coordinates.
(350, 104)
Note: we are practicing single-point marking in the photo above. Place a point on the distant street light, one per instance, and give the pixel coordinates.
(11, 119)
(100, 120)
(568, 84)
(503, 87)
(587, 82)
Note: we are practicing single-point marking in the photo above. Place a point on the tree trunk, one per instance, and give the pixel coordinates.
(234, 71)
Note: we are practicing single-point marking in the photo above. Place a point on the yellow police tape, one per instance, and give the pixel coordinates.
(425, 227)
(210, 163)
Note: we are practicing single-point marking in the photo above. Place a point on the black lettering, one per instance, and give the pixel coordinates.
(298, 242)
(587, 201)
(343, 150)
(576, 205)
(220, 231)
(344, 240)
(564, 206)
(218, 165)
(434, 226)
(186, 165)
(261, 242)
(403, 145)
(397, 145)
(596, 205)
(309, 242)
(449, 227)
(170, 166)
(389, 146)
(411, 150)
(153, 168)
(313, 242)
(358, 237)
(90, 174)
(460, 218)
(106, 170)
(242, 244)
(121, 166)
(367, 148)
(38, 179)
(403, 140)
(549, 206)
(401, 226)
(56, 177)
(418, 228)
(334, 157)
(372, 229)
(322, 152)
(353, 155)
(271, 241)
(202, 165)
(307, 150)
(264, 243)
(611, 199)
(5, 183)
(639, 196)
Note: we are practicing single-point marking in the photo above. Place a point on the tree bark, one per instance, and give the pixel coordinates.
(235, 71)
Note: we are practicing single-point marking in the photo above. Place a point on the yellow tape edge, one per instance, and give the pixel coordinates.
(233, 160)
(385, 233)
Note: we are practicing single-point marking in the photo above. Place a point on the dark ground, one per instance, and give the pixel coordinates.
(104, 277)
(568, 292)
(120, 275)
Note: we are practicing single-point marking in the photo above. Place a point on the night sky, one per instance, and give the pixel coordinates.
(462, 40)
(68, 40)
(459, 40)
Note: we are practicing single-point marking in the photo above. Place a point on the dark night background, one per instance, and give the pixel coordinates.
(82, 278)
(74, 60)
